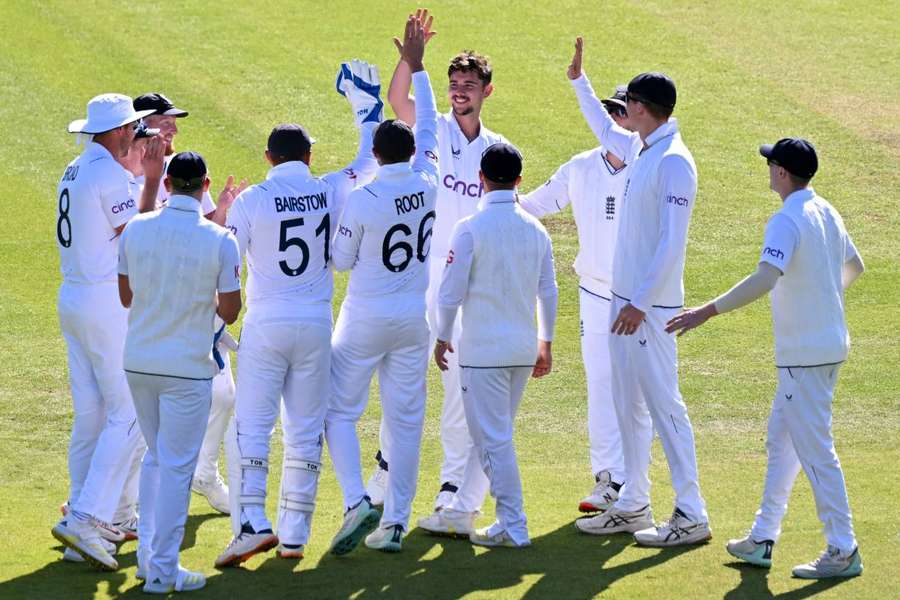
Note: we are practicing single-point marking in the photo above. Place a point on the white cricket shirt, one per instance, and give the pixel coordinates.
(459, 188)
(176, 260)
(284, 226)
(807, 241)
(594, 188)
(385, 231)
(500, 263)
(93, 199)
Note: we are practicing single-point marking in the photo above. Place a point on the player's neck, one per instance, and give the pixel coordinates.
(469, 124)
(616, 162)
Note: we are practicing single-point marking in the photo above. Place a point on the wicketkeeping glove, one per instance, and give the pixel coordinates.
(358, 81)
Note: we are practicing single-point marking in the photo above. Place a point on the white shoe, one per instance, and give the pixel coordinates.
(376, 488)
(450, 522)
(603, 496)
(677, 531)
(386, 539)
(246, 544)
(501, 539)
(107, 531)
(751, 551)
(128, 527)
(616, 520)
(185, 581)
(359, 522)
(831, 563)
(215, 491)
(445, 496)
(85, 540)
(69, 555)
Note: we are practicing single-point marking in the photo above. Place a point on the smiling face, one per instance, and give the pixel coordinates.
(467, 92)
(167, 129)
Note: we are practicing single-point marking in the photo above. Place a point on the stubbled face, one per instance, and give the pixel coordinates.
(167, 129)
(467, 93)
(126, 137)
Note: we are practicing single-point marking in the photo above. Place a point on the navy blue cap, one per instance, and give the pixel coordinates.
(654, 87)
(796, 155)
(501, 163)
(187, 172)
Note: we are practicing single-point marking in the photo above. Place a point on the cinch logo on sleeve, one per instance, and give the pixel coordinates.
(350, 173)
(345, 231)
(676, 200)
(117, 208)
(450, 258)
(774, 253)
(472, 190)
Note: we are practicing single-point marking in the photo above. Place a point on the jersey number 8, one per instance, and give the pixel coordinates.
(404, 248)
(64, 235)
(284, 242)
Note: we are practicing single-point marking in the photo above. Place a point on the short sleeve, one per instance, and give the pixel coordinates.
(850, 251)
(237, 222)
(206, 204)
(780, 241)
(230, 265)
(115, 196)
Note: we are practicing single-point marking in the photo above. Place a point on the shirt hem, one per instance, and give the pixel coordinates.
(165, 375)
(652, 305)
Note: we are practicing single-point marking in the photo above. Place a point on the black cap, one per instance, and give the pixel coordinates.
(653, 87)
(616, 102)
(186, 171)
(145, 132)
(501, 163)
(159, 104)
(796, 155)
(289, 141)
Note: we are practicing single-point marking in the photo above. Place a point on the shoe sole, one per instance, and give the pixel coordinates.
(632, 529)
(236, 559)
(346, 544)
(290, 555)
(587, 507)
(842, 574)
(69, 542)
(450, 533)
(661, 544)
(751, 559)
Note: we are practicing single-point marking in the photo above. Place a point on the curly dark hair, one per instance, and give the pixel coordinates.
(469, 61)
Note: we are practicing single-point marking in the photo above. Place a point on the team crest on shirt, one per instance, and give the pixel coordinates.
(456, 151)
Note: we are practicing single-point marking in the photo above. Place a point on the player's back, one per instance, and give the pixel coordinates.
(93, 198)
(284, 226)
(393, 217)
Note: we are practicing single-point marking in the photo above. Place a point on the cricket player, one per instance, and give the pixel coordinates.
(384, 237)
(648, 290)
(462, 138)
(94, 205)
(594, 183)
(807, 262)
(499, 266)
(177, 270)
(284, 226)
(207, 481)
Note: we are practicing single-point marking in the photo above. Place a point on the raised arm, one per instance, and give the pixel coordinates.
(403, 105)
(412, 51)
(551, 197)
(621, 142)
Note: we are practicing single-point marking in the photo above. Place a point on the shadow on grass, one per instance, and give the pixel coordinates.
(564, 563)
(61, 579)
(755, 584)
(560, 564)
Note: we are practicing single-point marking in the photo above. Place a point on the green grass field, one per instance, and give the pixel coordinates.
(747, 73)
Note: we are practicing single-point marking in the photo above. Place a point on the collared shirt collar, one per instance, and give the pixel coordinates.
(290, 168)
(799, 196)
(98, 150)
(393, 170)
(183, 203)
(459, 129)
(498, 198)
(667, 129)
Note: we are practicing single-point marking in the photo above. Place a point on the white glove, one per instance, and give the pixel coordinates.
(358, 81)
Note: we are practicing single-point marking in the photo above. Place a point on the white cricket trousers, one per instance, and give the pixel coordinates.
(289, 360)
(105, 433)
(645, 390)
(491, 397)
(455, 438)
(172, 412)
(800, 436)
(397, 348)
(603, 426)
(220, 419)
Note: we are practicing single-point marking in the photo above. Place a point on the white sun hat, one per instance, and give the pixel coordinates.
(105, 112)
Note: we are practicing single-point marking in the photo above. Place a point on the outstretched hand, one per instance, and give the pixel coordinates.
(423, 17)
(574, 70)
(691, 319)
(412, 50)
(230, 192)
(154, 158)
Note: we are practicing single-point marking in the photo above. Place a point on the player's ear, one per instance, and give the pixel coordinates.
(488, 90)
(307, 158)
(167, 182)
(269, 158)
(206, 183)
(518, 181)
